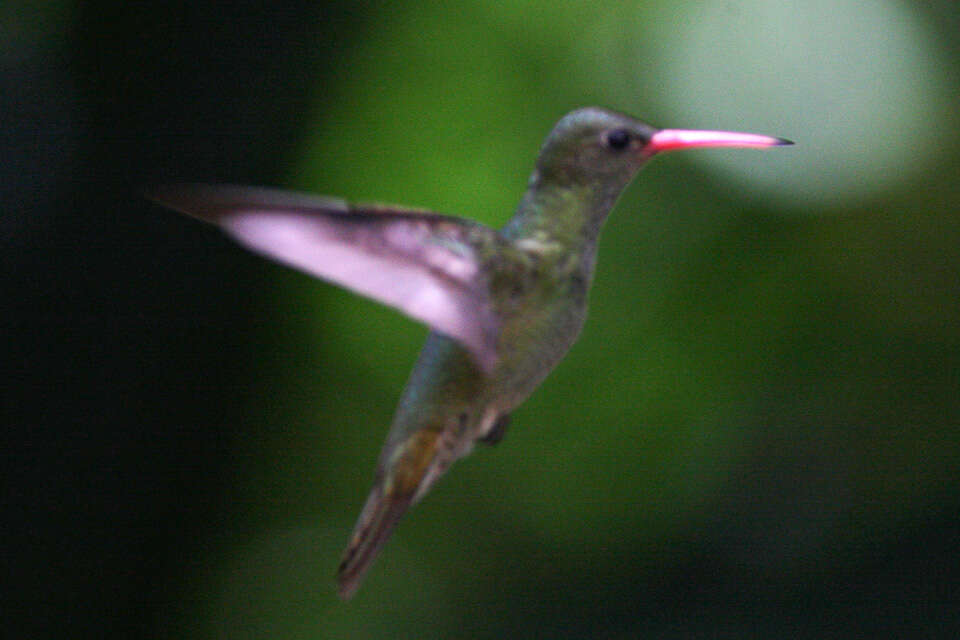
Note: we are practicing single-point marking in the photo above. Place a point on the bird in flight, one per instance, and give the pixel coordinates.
(504, 306)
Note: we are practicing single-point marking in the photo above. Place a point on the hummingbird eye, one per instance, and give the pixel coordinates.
(618, 139)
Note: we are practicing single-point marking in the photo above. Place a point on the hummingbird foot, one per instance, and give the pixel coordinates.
(497, 431)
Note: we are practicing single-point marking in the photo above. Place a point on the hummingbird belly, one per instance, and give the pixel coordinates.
(447, 392)
(533, 344)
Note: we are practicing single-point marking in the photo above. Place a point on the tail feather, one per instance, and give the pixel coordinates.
(380, 516)
(406, 477)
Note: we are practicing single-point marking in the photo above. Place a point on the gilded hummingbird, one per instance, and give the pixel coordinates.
(504, 306)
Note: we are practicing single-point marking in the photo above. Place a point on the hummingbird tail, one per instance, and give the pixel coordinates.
(378, 519)
(407, 478)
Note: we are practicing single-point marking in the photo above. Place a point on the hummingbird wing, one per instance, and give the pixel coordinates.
(424, 264)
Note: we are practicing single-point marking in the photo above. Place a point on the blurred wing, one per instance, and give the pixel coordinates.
(424, 264)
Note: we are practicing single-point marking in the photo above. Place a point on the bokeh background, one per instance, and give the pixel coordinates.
(756, 436)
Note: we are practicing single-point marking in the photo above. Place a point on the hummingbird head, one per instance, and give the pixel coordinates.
(602, 149)
(594, 145)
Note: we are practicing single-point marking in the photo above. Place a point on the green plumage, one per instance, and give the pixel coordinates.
(504, 306)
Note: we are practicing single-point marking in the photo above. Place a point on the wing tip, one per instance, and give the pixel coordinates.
(198, 201)
(211, 202)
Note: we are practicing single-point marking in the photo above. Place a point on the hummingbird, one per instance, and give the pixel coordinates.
(503, 306)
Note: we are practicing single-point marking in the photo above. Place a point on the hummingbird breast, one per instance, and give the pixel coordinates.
(538, 331)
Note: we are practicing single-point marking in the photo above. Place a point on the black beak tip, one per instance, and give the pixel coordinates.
(783, 142)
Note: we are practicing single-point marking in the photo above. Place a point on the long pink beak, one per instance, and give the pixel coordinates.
(671, 139)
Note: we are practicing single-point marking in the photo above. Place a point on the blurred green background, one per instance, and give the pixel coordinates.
(756, 436)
